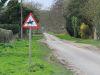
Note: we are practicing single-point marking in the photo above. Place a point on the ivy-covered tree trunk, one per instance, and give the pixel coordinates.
(75, 26)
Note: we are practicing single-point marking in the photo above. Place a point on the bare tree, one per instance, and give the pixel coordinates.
(53, 19)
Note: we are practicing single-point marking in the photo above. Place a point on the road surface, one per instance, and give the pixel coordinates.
(84, 61)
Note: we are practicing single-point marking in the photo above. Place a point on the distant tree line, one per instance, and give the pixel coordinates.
(52, 19)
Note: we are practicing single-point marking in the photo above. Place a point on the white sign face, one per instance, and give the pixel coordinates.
(30, 22)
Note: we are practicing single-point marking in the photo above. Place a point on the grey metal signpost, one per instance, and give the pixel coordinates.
(21, 19)
(30, 47)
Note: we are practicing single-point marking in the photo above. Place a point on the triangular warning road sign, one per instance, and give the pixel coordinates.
(30, 22)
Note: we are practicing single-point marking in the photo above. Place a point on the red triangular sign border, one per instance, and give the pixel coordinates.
(30, 14)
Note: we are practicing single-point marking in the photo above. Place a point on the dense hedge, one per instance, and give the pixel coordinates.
(14, 27)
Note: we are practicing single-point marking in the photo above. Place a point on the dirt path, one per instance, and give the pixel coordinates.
(82, 60)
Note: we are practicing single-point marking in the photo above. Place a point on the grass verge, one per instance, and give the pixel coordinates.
(78, 40)
(14, 59)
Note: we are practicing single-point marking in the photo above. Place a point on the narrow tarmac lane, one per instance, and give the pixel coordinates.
(84, 61)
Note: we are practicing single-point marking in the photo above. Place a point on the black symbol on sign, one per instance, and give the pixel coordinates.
(30, 22)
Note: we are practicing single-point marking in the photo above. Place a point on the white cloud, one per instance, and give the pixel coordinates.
(45, 3)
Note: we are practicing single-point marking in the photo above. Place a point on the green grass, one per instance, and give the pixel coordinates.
(78, 40)
(66, 37)
(14, 59)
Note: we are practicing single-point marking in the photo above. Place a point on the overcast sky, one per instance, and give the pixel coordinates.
(45, 3)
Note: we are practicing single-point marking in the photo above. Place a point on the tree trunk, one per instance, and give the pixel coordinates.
(95, 33)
